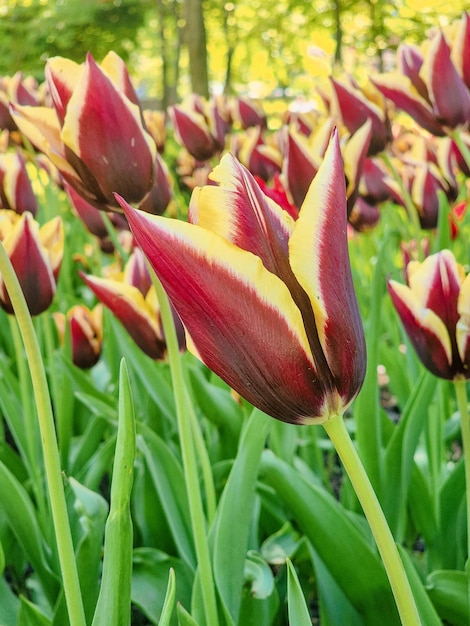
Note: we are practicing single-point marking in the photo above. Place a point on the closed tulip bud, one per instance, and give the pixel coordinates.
(435, 311)
(85, 331)
(268, 302)
(94, 135)
(36, 255)
(16, 192)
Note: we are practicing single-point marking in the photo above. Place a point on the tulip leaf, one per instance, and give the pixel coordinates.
(426, 610)
(184, 618)
(152, 585)
(30, 615)
(169, 602)
(167, 476)
(296, 605)
(21, 516)
(9, 605)
(400, 451)
(231, 540)
(338, 541)
(259, 576)
(114, 601)
(453, 525)
(448, 590)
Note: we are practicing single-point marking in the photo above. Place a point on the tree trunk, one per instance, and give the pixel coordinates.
(338, 33)
(195, 38)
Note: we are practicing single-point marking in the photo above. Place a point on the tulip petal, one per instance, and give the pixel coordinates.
(461, 49)
(447, 91)
(129, 306)
(318, 252)
(436, 284)
(100, 115)
(62, 76)
(402, 93)
(241, 213)
(299, 166)
(463, 325)
(426, 331)
(238, 315)
(31, 266)
(192, 132)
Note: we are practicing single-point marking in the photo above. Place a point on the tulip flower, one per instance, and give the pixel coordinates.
(86, 334)
(435, 311)
(199, 127)
(268, 302)
(35, 254)
(354, 108)
(247, 113)
(133, 302)
(95, 137)
(429, 87)
(261, 158)
(16, 192)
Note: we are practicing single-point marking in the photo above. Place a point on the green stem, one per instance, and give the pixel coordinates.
(461, 145)
(114, 237)
(29, 413)
(461, 393)
(408, 201)
(337, 431)
(193, 490)
(49, 445)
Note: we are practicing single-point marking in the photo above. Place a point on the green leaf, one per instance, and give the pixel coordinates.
(452, 525)
(400, 452)
(341, 545)
(296, 605)
(114, 602)
(448, 590)
(21, 516)
(30, 615)
(169, 602)
(150, 581)
(234, 513)
(168, 478)
(281, 545)
(258, 575)
(9, 605)
(184, 618)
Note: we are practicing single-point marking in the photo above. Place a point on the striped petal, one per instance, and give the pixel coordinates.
(240, 316)
(400, 90)
(447, 91)
(100, 115)
(299, 166)
(241, 213)
(31, 265)
(131, 309)
(461, 49)
(318, 252)
(463, 326)
(62, 76)
(426, 331)
(436, 284)
(192, 132)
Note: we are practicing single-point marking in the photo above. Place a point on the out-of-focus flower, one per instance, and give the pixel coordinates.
(435, 311)
(84, 327)
(200, 127)
(427, 181)
(247, 112)
(35, 254)
(133, 302)
(284, 329)
(433, 88)
(364, 216)
(353, 107)
(456, 216)
(18, 90)
(278, 193)
(261, 157)
(16, 192)
(155, 124)
(95, 137)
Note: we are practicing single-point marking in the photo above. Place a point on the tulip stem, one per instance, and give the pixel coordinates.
(338, 433)
(54, 481)
(462, 403)
(193, 489)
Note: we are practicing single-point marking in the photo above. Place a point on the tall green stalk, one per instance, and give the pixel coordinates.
(337, 431)
(190, 468)
(462, 403)
(54, 481)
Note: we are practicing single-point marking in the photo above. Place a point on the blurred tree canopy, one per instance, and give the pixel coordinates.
(173, 47)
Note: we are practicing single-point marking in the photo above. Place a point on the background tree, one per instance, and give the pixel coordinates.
(196, 42)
